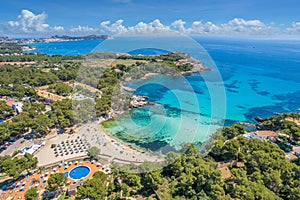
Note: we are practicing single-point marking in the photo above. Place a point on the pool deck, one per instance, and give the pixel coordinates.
(35, 180)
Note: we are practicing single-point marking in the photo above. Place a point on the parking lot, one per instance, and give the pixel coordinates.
(15, 146)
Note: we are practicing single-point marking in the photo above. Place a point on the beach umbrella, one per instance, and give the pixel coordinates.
(70, 163)
(76, 162)
(93, 161)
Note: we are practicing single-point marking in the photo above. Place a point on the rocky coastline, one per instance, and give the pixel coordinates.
(138, 101)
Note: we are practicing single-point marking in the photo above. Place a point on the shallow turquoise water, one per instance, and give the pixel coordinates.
(259, 78)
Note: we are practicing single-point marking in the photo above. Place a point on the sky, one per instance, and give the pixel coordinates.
(195, 17)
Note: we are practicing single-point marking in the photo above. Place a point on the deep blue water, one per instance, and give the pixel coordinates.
(257, 78)
(66, 48)
(147, 51)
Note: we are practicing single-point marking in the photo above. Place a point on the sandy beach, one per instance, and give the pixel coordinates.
(86, 136)
(110, 147)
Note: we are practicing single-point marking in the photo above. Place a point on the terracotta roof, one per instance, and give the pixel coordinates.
(10, 103)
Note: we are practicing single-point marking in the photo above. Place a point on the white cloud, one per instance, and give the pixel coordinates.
(149, 28)
(107, 28)
(203, 28)
(294, 29)
(13, 23)
(58, 28)
(241, 22)
(251, 27)
(28, 22)
(83, 29)
(178, 25)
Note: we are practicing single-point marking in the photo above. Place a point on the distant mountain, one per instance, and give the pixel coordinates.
(89, 37)
(58, 38)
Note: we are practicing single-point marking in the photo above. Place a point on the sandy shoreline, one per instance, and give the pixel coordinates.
(91, 134)
(113, 146)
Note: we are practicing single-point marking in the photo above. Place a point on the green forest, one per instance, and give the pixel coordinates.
(264, 174)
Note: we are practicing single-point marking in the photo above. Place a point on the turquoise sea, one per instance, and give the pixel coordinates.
(257, 78)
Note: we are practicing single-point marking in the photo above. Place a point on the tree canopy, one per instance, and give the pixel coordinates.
(56, 181)
(31, 194)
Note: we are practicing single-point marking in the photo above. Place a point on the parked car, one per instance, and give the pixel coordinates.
(13, 140)
(28, 137)
(3, 148)
(61, 131)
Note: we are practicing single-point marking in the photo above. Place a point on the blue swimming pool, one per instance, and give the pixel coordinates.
(79, 172)
(66, 174)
